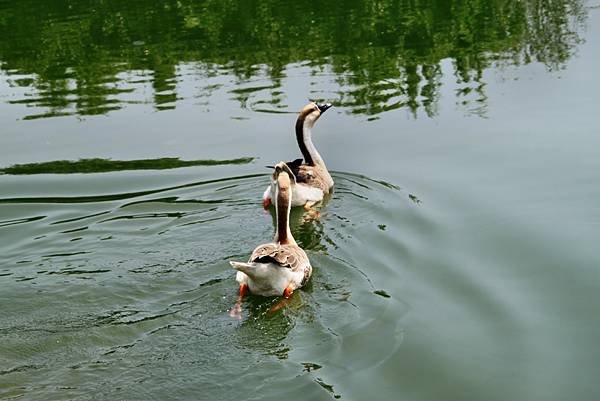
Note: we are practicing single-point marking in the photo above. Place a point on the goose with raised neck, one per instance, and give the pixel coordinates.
(313, 180)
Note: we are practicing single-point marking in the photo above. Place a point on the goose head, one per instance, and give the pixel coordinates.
(312, 111)
(280, 168)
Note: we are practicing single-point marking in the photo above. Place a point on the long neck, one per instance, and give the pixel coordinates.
(303, 136)
(283, 235)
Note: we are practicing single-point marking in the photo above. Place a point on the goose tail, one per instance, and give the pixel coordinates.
(248, 268)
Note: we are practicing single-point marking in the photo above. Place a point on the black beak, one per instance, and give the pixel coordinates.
(323, 107)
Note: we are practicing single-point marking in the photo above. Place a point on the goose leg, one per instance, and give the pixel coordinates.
(287, 293)
(312, 214)
(236, 311)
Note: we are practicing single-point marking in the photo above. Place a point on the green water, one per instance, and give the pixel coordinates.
(456, 260)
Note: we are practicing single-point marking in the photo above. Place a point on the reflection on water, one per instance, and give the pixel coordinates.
(458, 285)
(89, 58)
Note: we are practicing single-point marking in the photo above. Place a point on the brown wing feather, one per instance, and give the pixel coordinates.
(312, 176)
(289, 256)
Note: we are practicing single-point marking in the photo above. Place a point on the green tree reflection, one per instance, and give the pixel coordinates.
(73, 55)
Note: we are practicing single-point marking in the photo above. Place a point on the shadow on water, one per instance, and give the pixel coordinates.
(163, 253)
(105, 165)
(89, 58)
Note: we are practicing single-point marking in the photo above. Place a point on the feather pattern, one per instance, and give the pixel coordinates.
(285, 255)
(313, 176)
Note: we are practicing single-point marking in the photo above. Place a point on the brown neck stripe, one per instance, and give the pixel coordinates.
(282, 217)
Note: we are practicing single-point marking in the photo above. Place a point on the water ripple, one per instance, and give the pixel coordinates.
(161, 286)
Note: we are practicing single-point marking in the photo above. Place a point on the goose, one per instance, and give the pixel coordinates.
(313, 180)
(276, 268)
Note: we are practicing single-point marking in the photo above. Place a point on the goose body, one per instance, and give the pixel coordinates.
(313, 180)
(301, 195)
(279, 267)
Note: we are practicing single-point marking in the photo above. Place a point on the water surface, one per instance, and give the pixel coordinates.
(456, 259)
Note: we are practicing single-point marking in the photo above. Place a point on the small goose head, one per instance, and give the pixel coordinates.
(312, 111)
(280, 168)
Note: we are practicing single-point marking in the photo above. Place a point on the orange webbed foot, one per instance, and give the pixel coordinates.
(236, 311)
(287, 293)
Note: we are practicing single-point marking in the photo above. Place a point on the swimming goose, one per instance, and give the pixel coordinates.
(313, 180)
(279, 267)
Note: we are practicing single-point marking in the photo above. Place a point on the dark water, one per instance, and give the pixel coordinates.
(456, 260)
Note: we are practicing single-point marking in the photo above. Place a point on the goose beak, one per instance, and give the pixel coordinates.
(323, 107)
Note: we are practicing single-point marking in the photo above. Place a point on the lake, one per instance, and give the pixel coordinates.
(457, 258)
